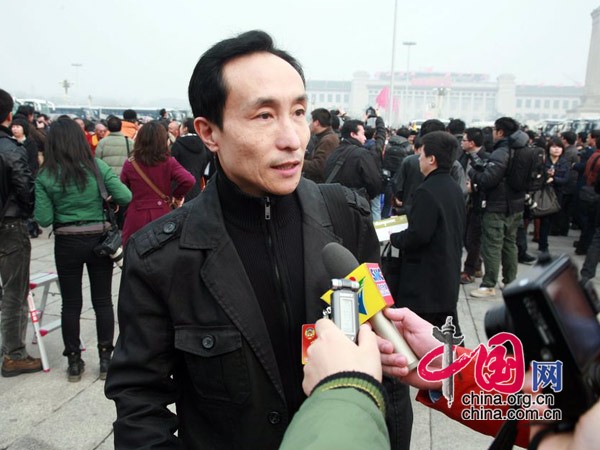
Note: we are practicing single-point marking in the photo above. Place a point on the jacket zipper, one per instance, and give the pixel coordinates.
(279, 280)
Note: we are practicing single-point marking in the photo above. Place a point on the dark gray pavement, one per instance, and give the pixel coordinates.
(45, 411)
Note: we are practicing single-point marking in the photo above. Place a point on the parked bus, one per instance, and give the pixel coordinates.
(39, 105)
(83, 112)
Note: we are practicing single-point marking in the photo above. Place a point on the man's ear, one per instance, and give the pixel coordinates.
(208, 132)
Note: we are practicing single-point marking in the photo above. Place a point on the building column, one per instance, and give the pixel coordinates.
(591, 97)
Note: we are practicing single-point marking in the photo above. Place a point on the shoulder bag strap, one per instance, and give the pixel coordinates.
(339, 211)
(104, 195)
(149, 182)
(338, 165)
(127, 144)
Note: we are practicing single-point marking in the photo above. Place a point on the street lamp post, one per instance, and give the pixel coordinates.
(408, 44)
(441, 92)
(77, 66)
(391, 93)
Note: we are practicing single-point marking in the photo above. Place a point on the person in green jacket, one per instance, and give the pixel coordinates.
(68, 198)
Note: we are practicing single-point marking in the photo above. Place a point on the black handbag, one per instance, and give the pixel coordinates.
(545, 202)
(391, 267)
(111, 242)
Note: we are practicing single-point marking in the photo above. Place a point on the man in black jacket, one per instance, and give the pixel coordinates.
(432, 245)
(16, 204)
(503, 207)
(354, 166)
(472, 143)
(214, 295)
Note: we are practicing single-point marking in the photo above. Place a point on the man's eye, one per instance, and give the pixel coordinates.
(265, 115)
(300, 112)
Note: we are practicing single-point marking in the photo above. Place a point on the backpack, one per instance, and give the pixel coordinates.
(394, 154)
(526, 167)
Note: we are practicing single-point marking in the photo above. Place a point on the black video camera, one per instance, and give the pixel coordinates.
(556, 319)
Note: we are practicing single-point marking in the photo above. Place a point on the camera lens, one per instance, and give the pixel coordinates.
(497, 320)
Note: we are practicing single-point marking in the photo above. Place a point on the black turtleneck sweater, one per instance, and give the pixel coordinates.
(267, 234)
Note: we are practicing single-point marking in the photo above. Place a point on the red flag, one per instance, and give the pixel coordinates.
(383, 98)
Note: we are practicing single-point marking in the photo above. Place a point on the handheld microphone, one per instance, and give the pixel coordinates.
(374, 295)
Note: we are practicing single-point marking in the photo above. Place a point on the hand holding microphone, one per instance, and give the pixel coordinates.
(340, 262)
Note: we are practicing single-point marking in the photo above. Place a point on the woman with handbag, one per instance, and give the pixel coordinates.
(150, 173)
(68, 198)
(557, 176)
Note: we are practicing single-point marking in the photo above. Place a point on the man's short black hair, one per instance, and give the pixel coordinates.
(441, 145)
(335, 121)
(322, 116)
(403, 131)
(26, 110)
(595, 134)
(431, 125)
(350, 126)
(475, 135)
(569, 136)
(129, 115)
(456, 126)
(114, 124)
(207, 90)
(418, 142)
(369, 132)
(582, 135)
(189, 124)
(6, 105)
(507, 125)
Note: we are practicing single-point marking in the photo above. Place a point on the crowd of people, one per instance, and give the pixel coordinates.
(223, 236)
(55, 172)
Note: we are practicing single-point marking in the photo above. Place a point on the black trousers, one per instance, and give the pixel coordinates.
(473, 242)
(71, 253)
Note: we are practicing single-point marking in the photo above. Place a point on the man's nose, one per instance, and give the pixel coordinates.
(288, 136)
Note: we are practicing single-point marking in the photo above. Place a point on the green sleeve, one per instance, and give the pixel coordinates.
(338, 418)
(120, 193)
(44, 206)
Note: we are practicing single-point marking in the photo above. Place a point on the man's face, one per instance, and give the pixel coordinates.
(80, 123)
(466, 144)
(424, 162)
(497, 134)
(313, 126)
(261, 146)
(359, 135)
(591, 141)
(101, 131)
(174, 129)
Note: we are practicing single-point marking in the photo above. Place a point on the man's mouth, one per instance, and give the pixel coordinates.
(286, 166)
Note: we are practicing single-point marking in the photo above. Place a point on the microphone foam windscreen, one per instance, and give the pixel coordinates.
(338, 260)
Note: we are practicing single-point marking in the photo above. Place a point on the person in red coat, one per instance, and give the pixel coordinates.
(151, 155)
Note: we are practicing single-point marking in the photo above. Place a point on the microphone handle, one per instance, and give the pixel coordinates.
(387, 330)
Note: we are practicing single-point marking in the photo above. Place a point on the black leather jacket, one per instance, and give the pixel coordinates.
(192, 332)
(16, 181)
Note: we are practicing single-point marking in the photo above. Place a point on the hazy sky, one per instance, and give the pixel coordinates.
(143, 51)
